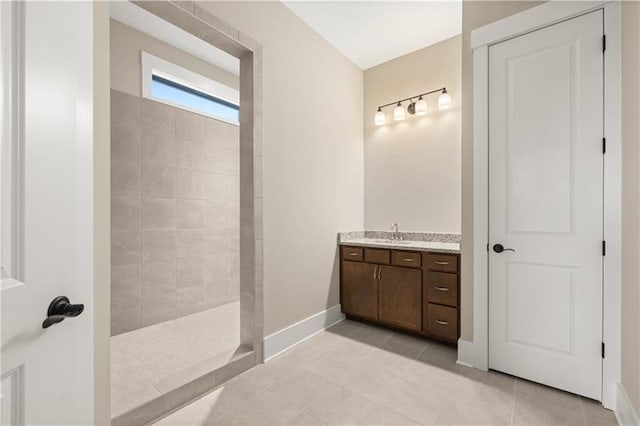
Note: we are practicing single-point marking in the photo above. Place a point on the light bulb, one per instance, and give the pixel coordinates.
(444, 100)
(380, 118)
(421, 107)
(398, 112)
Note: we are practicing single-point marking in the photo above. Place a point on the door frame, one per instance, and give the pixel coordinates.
(476, 353)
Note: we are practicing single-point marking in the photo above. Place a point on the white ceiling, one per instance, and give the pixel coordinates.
(372, 32)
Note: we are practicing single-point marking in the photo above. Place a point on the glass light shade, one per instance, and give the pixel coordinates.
(421, 107)
(398, 113)
(444, 101)
(380, 118)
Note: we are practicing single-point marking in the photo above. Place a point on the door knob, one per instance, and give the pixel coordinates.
(499, 248)
(59, 309)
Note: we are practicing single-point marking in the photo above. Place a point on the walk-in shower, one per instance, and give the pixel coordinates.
(185, 301)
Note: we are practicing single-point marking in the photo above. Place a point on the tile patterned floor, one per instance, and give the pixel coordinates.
(143, 358)
(361, 375)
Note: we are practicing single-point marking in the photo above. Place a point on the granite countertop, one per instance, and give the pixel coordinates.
(414, 241)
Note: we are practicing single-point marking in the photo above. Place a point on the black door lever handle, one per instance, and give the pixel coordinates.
(59, 309)
(499, 248)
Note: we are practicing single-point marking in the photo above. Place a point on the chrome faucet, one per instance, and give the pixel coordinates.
(396, 233)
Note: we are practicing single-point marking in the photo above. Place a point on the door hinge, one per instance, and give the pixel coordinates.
(604, 248)
(604, 42)
(603, 350)
(604, 145)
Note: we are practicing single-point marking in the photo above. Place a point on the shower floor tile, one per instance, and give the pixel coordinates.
(143, 361)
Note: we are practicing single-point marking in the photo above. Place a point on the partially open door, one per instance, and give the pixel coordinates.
(47, 212)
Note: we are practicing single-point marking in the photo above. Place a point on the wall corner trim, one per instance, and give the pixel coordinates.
(285, 339)
(625, 412)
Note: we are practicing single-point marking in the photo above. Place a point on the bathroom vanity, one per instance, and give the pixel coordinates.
(408, 284)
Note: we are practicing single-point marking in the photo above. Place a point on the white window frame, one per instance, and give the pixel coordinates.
(152, 65)
(476, 353)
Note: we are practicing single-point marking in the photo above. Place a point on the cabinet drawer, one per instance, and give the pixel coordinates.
(442, 322)
(442, 262)
(405, 258)
(373, 255)
(352, 253)
(442, 288)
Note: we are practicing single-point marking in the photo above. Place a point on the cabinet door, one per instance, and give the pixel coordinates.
(359, 290)
(401, 297)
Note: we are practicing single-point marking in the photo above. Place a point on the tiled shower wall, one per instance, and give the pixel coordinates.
(174, 212)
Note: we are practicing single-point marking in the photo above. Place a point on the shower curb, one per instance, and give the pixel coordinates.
(177, 395)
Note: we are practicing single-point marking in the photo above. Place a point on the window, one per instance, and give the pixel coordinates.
(165, 82)
(195, 100)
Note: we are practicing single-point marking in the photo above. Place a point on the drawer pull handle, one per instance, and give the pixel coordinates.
(439, 262)
(439, 288)
(354, 254)
(442, 322)
(408, 260)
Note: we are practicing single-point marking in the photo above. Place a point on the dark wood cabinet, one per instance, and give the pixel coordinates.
(380, 256)
(406, 258)
(441, 262)
(441, 288)
(411, 290)
(359, 289)
(352, 253)
(442, 322)
(400, 297)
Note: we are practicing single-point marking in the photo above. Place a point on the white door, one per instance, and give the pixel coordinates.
(47, 211)
(546, 203)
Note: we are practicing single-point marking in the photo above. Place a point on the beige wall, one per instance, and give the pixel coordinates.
(631, 201)
(126, 44)
(313, 158)
(412, 168)
(475, 14)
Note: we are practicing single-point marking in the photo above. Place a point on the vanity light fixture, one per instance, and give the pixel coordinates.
(444, 100)
(398, 112)
(380, 117)
(418, 107)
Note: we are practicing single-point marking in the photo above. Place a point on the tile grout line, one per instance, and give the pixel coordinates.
(513, 405)
(377, 403)
(372, 401)
(584, 415)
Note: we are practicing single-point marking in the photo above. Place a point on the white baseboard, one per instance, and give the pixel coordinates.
(466, 353)
(282, 340)
(625, 412)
